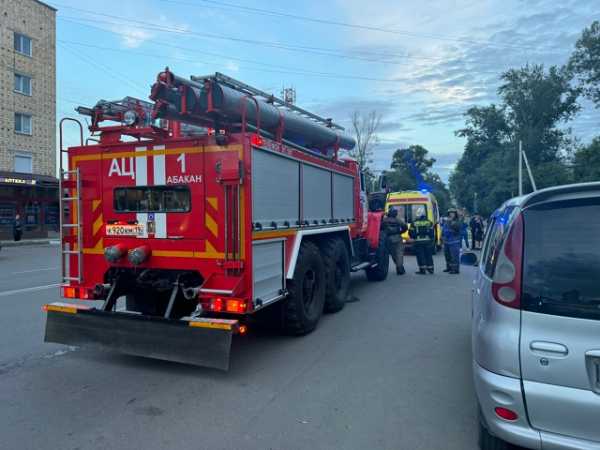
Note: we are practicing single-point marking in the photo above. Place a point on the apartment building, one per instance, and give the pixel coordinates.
(28, 183)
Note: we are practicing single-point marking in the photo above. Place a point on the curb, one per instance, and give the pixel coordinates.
(29, 242)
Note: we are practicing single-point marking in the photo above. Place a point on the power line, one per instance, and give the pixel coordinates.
(266, 12)
(323, 51)
(105, 69)
(178, 47)
(195, 60)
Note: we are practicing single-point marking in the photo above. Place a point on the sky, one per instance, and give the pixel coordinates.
(419, 64)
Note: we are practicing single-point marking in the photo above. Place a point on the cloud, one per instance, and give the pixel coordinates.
(462, 67)
(132, 37)
(232, 66)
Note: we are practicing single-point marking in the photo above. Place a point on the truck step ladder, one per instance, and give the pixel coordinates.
(70, 252)
(71, 236)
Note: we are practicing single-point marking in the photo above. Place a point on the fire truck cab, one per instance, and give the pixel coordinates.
(202, 209)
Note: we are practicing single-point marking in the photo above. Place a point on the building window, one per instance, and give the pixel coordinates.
(22, 84)
(23, 123)
(23, 44)
(23, 163)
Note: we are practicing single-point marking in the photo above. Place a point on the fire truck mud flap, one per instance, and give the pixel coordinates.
(197, 341)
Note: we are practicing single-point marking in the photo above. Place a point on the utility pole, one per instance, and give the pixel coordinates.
(520, 168)
(529, 171)
(474, 202)
(523, 158)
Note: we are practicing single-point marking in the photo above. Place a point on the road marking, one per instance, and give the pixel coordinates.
(29, 289)
(35, 270)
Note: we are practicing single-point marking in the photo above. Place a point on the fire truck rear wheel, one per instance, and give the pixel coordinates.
(337, 266)
(382, 261)
(304, 306)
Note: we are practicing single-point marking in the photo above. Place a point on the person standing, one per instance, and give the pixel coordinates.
(17, 228)
(394, 228)
(423, 234)
(453, 240)
(445, 237)
(476, 225)
(472, 225)
(464, 234)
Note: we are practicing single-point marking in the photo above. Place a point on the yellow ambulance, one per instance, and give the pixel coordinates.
(410, 205)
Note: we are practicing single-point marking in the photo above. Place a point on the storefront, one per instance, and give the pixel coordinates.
(35, 199)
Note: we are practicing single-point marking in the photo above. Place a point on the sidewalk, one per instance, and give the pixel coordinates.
(23, 242)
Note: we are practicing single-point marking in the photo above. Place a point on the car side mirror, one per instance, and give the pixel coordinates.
(469, 259)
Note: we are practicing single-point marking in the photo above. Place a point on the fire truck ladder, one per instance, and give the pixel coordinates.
(71, 242)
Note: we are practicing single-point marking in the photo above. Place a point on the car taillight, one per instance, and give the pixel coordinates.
(506, 284)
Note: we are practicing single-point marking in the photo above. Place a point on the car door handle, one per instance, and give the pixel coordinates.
(549, 348)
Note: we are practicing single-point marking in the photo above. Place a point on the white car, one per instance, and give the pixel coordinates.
(536, 322)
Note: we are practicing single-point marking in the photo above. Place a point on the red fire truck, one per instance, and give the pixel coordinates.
(202, 209)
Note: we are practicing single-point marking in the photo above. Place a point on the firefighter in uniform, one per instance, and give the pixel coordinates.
(423, 234)
(394, 227)
(453, 240)
(445, 237)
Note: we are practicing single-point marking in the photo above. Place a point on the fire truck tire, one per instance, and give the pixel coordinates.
(303, 307)
(337, 267)
(379, 271)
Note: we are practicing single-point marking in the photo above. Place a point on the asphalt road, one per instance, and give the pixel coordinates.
(390, 371)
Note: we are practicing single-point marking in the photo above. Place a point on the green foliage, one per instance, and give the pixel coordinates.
(534, 104)
(586, 163)
(402, 175)
(584, 64)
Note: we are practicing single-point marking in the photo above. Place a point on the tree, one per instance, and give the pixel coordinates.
(586, 162)
(584, 64)
(486, 167)
(365, 131)
(485, 125)
(536, 103)
(411, 170)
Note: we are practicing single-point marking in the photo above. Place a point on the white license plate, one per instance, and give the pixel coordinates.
(124, 230)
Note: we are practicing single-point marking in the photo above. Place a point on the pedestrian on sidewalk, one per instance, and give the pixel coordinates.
(423, 234)
(453, 241)
(17, 228)
(394, 228)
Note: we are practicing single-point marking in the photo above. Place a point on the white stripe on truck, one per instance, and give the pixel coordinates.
(141, 179)
(160, 179)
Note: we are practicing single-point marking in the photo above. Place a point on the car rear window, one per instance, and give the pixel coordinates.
(495, 237)
(152, 199)
(561, 274)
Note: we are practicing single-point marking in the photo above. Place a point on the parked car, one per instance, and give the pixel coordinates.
(536, 322)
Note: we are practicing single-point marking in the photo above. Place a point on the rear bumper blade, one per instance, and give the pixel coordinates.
(200, 342)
